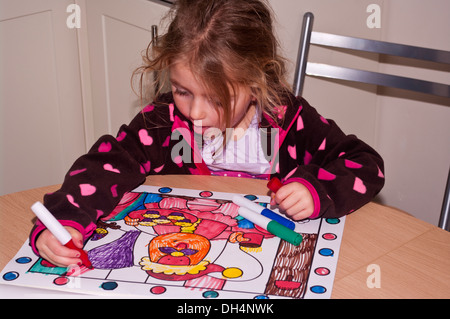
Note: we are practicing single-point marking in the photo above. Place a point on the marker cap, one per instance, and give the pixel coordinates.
(274, 184)
(51, 223)
(278, 218)
(285, 233)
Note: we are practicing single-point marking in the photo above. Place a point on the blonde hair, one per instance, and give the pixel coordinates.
(227, 44)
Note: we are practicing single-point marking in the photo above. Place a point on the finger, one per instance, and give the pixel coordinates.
(77, 238)
(60, 250)
(281, 195)
(302, 214)
(61, 255)
(289, 203)
(66, 262)
(295, 209)
(61, 261)
(292, 203)
(273, 202)
(285, 191)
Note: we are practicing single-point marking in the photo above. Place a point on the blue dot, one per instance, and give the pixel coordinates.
(12, 275)
(318, 289)
(210, 294)
(23, 260)
(261, 297)
(110, 285)
(251, 197)
(165, 190)
(327, 252)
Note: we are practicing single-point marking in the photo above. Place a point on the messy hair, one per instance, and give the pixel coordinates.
(226, 44)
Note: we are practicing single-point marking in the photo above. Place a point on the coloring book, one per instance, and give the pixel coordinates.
(163, 242)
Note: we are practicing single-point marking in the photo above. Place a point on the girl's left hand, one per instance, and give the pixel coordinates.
(295, 200)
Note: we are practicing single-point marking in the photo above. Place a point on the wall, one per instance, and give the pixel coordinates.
(411, 131)
(414, 130)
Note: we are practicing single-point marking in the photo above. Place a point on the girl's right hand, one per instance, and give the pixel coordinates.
(51, 249)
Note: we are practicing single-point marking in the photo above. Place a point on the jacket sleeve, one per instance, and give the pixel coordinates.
(97, 180)
(342, 172)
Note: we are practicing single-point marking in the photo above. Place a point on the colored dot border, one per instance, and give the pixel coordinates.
(323, 267)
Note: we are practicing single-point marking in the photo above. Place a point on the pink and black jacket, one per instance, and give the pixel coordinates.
(342, 172)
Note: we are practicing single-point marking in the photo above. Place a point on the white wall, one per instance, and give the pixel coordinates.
(414, 131)
(411, 131)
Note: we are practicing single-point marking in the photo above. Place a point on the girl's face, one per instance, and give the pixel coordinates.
(195, 104)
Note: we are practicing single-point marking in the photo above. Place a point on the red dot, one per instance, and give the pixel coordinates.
(157, 290)
(329, 236)
(60, 281)
(206, 194)
(322, 271)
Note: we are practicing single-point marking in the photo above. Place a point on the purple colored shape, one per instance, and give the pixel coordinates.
(115, 255)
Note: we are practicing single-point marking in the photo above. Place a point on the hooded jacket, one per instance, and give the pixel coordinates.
(342, 172)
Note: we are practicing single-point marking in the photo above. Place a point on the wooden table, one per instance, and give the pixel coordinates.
(413, 256)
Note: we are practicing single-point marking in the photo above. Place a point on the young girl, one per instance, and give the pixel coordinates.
(228, 96)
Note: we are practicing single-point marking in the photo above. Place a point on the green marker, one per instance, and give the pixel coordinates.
(271, 226)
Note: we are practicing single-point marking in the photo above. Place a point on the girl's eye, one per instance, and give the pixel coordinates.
(214, 102)
(180, 92)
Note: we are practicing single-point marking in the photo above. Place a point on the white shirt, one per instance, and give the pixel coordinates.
(244, 155)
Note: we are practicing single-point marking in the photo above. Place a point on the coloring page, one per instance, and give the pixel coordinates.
(163, 242)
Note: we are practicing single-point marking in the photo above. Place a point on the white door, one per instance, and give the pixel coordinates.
(118, 33)
(41, 116)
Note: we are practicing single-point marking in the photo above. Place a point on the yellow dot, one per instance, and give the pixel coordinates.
(232, 273)
(177, 254)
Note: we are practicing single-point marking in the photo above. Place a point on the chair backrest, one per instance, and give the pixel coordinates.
(304, 67)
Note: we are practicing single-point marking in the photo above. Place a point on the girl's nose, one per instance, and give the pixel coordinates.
(197, 111)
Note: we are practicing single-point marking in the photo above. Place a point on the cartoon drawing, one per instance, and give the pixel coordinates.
(181, 243)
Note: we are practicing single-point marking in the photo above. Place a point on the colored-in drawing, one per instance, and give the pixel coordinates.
(114, 255)
(180, 243)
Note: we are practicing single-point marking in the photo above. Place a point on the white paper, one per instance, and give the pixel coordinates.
(183, 243)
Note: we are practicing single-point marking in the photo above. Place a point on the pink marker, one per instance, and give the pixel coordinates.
(55, 227)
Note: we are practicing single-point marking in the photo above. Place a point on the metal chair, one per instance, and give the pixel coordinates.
(445, 212)
(305, 67)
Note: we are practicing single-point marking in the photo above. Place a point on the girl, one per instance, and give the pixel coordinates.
(228, 96)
